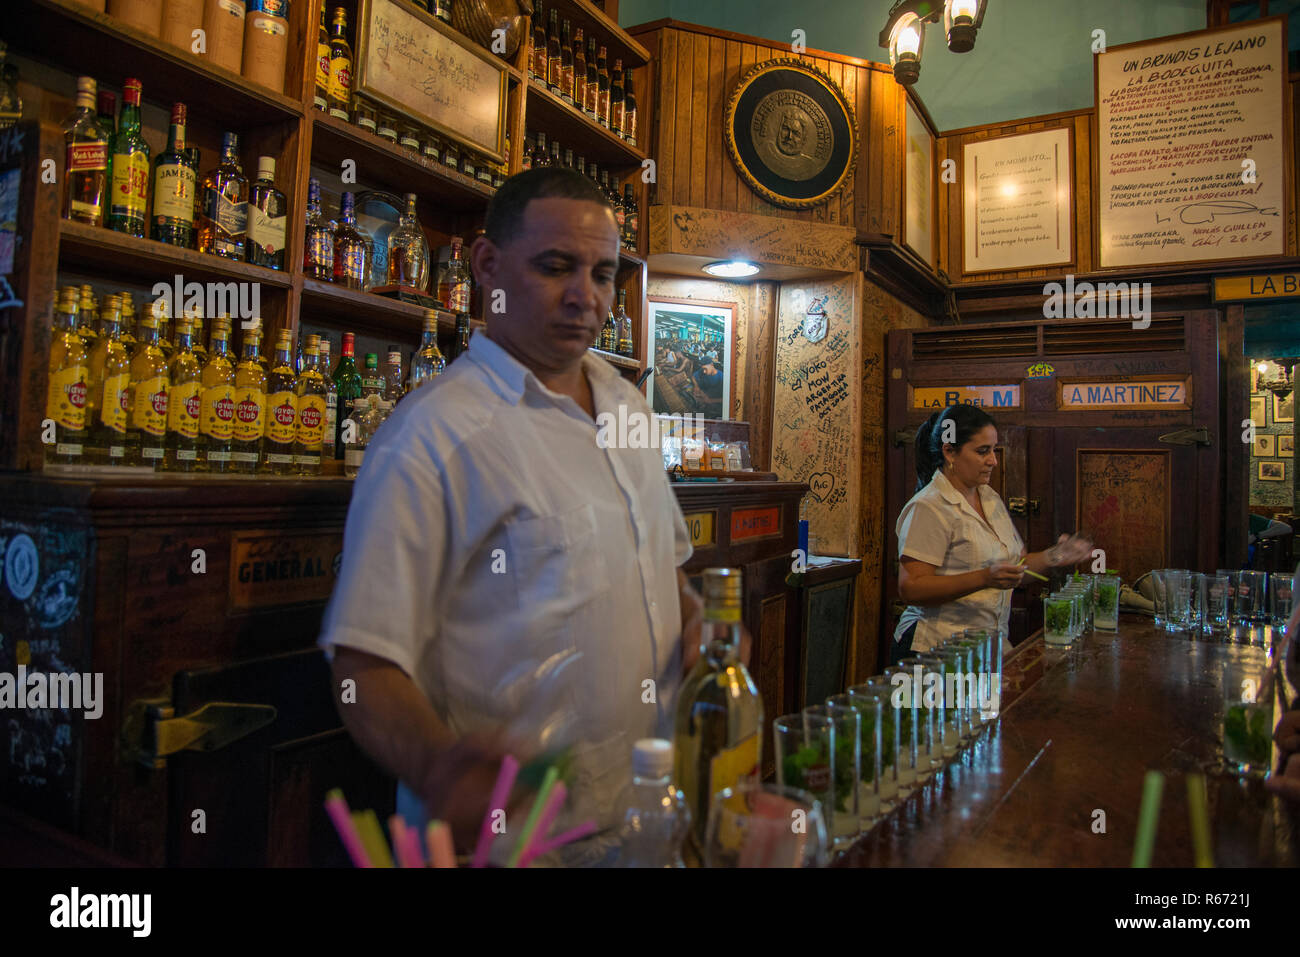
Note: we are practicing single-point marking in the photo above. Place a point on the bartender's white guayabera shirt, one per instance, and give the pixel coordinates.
(939, 527)
(489, 531)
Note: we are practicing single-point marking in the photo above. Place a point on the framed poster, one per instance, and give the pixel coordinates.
(1272, 471)
(1191, 147)
(417, 66)
(1284, 409)
(1286, 446)
(918, 186)
(1259, 410)
(694, 360)
(1017, 210)
(1265, 445)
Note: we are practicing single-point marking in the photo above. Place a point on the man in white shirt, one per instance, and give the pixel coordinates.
(489, 532)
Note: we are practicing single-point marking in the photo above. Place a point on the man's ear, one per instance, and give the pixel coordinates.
(484, 259)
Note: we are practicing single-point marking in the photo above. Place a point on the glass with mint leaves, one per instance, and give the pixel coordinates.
(805, 757)
(1106, 617)
(848, 723)
(1057, 619)
(1247, 717)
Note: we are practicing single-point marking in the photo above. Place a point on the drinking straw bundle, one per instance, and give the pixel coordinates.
(1149, 818)
(364, 839)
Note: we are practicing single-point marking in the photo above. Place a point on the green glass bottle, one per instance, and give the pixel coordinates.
(174, 183)
(348, 382)
(129, 186)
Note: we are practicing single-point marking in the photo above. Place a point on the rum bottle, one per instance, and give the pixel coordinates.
(331, 402)
(623, 322)
(408, 251)
(339, 92)
(268, 213)
(184, 402)
(351, 249)
(318, 256)
(217, 420)
(87, 316)
(250, 404)
(310, 395)
(579, 72)
(592, 93)
(537, 65)
(602, 86)
(146, 433)
(321, 98)
(616, 100)
(553, 53)
(65, 403)
(174, 183)
(130, 165)
(85, 177)
(427, 363)
(394, 387)
(372, 383)
(566, 64)
(282, 408)
(629, 108)
(110, 379)
(223, 223)
(631, 218)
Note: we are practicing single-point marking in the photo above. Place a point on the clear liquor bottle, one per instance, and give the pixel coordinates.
(351, 248)
(372, 383)
(217, 419)
(223, 221)
(331, 402)
(87, 317)
(339, 92)
(146, 433)
(310, 395)
(250, 404)
(184, 402)
(394, 385)
(718, 733)
(129, 181)
(200, 349)
(282, 408)
(110, 379)
(540, 155)
(318, 256)
(268, 215)
(69, 378)
(408, 251)
(174, 183)
(127, 322)
(428, 362)
(348, 382)
(624, 324)
(85, 178)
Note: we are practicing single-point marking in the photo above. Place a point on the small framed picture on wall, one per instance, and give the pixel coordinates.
(1259, 411)
(1286, 446)
(1284, 409)
(1272, 471)
(1265, 446)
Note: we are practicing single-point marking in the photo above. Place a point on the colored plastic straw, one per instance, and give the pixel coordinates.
(1200, 820)
(1030, 571)
(412, 843)
(534, 815)
(337, 808)
(568, 837)
(438, 837)
(372, 837)
(500, 793)
(397, 832)
(549, 813)
(1148, 818)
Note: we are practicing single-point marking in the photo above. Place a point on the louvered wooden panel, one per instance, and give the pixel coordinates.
(958, 343)
(1095, 338)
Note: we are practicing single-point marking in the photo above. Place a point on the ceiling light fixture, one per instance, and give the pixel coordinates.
(731, 269)
(904, 33)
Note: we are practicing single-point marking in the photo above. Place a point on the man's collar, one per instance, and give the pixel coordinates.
(511, 377)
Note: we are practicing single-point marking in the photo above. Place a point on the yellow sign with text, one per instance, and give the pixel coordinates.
(1275, 285)
(989, 396)
(1144, 394)
(701, 525)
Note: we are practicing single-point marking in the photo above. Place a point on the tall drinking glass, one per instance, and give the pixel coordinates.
(846, 821)
(1247, 717)
(1057, 615)
(966, 684)
(753, 825)
(1231, 575)
(902, 684)
(984, 673)
(1158, 597)
(805, 756)
(1196, 604)
(868, 705)
(1252, 588)
(887, 775)
(1216, 603)
(1107, 614)
(1177, 599)
(1279, 589)
(940, 663)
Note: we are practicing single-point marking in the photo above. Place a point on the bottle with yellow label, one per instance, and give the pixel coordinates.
(217, 418)
(127, 324)
(321, 100)
(200, 349)
(146, 432)
(339, 92)
(165, 341)
(250, 403)
(183, 403)
(281, 409)
(107, 398)
(311, 397)
(86, 316)
(65, 404)
(129, 186)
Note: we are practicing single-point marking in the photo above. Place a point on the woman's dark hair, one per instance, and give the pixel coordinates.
(967, 419)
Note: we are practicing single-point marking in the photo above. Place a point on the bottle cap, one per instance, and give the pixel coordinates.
(652, 758)
(131, 91)
(722, 587)
(394, 354)
(372, 360)
(430, 320)
(87, 85)
(266, 167)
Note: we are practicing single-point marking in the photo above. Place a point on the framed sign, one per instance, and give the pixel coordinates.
(1272, 471)
(791, 133)
(918, 186)
(1191, 150)
(414, 64)
(1017, 201)
(694, 362)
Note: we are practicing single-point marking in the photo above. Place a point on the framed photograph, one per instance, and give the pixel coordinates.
(1286, 446)
(694, 357)
(1259, 410)
(1272, 471)
(1284, 409)
(1255, 387)
(1017, 204)
(1265, 446)
(918, 186)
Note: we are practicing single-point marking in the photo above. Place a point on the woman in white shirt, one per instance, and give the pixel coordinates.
(959, 554)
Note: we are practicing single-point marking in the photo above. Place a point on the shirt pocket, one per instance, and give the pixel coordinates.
(556, 564)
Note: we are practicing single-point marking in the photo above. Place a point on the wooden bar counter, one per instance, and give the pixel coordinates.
(1077, 736)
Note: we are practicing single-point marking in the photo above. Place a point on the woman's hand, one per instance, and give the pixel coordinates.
(1003, 575)
(1069, 550)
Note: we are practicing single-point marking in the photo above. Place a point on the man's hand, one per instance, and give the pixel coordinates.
(458, 785)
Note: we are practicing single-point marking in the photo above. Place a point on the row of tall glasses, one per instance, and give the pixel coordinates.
(863, 753)
(1084, 603)
(1227, 602)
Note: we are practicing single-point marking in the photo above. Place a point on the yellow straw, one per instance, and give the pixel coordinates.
(372, 838)
(1200, 820)
(1148, 819)
(1030, 571)
(548, 782)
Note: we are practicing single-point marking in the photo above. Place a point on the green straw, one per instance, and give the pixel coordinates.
(1200, 820)
(1148, 818)
(548, 783)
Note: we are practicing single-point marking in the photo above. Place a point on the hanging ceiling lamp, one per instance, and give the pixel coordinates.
(904, 34)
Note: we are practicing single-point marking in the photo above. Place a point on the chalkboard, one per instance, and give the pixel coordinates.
(412, 63)
(1124, 508)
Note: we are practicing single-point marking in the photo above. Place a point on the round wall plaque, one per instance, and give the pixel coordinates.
(791, 133)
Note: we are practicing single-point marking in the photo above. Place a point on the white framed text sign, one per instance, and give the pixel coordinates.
(918, 186)
(1017, 208)
(1191, 147)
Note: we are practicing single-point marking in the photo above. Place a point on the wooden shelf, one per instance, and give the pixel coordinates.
(619, 44)
(324, 303)
(74, 38)
(123, 256)
(570, 127)
(620, 362)
(381, 163)
(630, 260)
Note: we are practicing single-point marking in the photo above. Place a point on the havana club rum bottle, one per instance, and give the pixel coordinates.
(146, 432)
(217, 419)
(250, 404)
(110, 377)
(282, 408)
(87, 316)
(339, 92)
(321, 99)
(184, 401)
(310, 394)
(65, 403)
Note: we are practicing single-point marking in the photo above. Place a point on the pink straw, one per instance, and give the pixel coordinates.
(413, 851)
(544, 822)
(401, 846)
(500, 792)
(568, 837)
(440, 849)
(342, 818)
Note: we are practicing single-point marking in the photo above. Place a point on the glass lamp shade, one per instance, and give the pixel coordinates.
(1276, 377)
(961, 21)
(905, 45)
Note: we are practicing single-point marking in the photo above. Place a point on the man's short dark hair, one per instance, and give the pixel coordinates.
(505, 212)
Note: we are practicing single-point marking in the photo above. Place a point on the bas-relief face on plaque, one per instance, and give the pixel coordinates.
(790, 133)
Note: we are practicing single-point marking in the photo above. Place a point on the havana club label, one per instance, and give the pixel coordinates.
(112, 410)
(311, 420)
(183, 406)
(218, 420)
(282, 418)
(250, 414)
(66, 401)
(150, 412)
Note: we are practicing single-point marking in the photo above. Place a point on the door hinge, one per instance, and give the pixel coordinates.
(903, 437)
(1022, 506)
(1199, 436)
(152, 731)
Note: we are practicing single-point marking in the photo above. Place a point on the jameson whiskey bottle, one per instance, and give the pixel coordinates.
(311, 411)
(217, 420)
(250, 404)
(65, 403)
(718, 733)
(174, 183)
(110, 377)
(180, 453)
(348, 383)
(282, 406)
(146, 433)
(428, 362)
(130, 166)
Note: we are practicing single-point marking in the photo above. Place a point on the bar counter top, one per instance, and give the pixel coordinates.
(1079, 740)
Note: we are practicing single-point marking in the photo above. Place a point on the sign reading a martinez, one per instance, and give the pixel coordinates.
(1149, 394)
